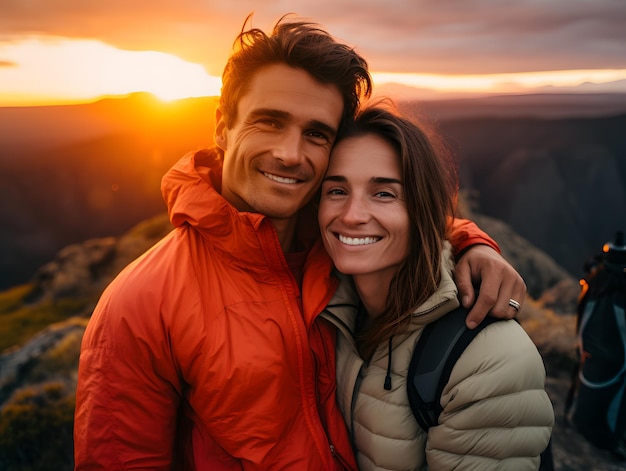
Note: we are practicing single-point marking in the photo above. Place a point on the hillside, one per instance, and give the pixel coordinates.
(97, 176)
(41, 325)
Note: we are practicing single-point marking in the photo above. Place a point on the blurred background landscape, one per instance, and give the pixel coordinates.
(95, 106)
(551, 166)
(545, 175)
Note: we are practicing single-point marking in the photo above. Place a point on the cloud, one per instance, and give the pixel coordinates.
(487, 36)
(425, 36)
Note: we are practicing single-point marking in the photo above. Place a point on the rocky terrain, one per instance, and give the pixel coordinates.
(84, 269)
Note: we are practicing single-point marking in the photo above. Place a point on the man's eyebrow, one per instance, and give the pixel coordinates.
(270, 112)
(280, 114)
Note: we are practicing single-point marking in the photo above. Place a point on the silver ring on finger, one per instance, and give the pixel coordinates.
(514, 304)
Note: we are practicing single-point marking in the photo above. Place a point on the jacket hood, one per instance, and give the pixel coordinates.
(191, 190)
(445, 298)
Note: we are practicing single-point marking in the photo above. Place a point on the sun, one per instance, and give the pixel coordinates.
(44, 70)
(169, 77)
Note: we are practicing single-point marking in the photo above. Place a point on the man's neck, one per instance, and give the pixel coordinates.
(286, 230)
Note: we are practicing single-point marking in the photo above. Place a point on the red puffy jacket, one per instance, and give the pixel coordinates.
(201, 355)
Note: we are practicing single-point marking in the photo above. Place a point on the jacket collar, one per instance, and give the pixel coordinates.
(344, 306)
(445, 299)
(191, 190)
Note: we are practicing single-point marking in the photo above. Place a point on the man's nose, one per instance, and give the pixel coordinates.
(288, 148)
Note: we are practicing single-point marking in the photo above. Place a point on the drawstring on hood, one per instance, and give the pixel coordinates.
(387, 385)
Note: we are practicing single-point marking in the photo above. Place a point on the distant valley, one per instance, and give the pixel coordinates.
(552, 167)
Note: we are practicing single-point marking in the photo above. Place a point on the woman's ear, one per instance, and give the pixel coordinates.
(220, 138)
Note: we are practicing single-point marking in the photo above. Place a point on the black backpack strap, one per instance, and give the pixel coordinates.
(437, 350)
(439, 347)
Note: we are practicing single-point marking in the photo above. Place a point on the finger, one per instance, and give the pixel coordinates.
(463, 280)
(484, 303)
(512, 292)
(518, 294)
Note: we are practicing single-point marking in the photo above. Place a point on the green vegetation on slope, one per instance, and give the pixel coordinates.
(36, 429)
(19, 321)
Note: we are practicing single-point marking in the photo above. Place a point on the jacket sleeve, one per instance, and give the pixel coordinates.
(497, 414)
(128, 389)
(463, 233)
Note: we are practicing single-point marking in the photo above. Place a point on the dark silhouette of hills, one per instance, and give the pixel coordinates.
(559, 183)
(25, 131)
(95, 172)
(551, 166)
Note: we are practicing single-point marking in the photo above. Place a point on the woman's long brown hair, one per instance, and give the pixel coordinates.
(430, 186)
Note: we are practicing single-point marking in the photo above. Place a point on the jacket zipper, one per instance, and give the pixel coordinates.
(276, 259)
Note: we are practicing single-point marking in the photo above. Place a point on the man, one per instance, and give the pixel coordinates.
(206, 352)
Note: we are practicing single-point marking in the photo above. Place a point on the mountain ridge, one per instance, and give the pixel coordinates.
(100, 173)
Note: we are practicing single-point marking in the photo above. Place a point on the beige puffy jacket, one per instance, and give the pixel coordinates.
(496, 413)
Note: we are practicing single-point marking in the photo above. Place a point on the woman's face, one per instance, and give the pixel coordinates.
(362, 215)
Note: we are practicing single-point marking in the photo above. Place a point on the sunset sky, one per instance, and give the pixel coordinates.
(59, 51)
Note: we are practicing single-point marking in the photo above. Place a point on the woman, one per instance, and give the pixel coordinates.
(385, 203)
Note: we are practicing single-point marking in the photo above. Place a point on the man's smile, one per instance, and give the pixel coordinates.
(279, 179)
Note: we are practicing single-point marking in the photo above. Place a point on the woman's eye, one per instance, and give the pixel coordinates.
(334, 192)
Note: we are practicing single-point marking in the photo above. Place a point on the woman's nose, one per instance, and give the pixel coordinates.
(355, 211)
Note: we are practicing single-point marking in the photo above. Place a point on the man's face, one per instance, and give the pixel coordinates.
(277, 151)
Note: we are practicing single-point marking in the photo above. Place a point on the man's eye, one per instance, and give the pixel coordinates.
(270, 123)
(318, 136)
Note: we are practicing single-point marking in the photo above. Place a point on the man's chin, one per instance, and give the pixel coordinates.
(280, 210)
(283, 214)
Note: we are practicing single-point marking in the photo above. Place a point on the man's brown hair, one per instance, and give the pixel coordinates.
(299, 44)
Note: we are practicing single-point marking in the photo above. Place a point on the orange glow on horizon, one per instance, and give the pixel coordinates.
(502, 83)
(51, 71)
(40, 71)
